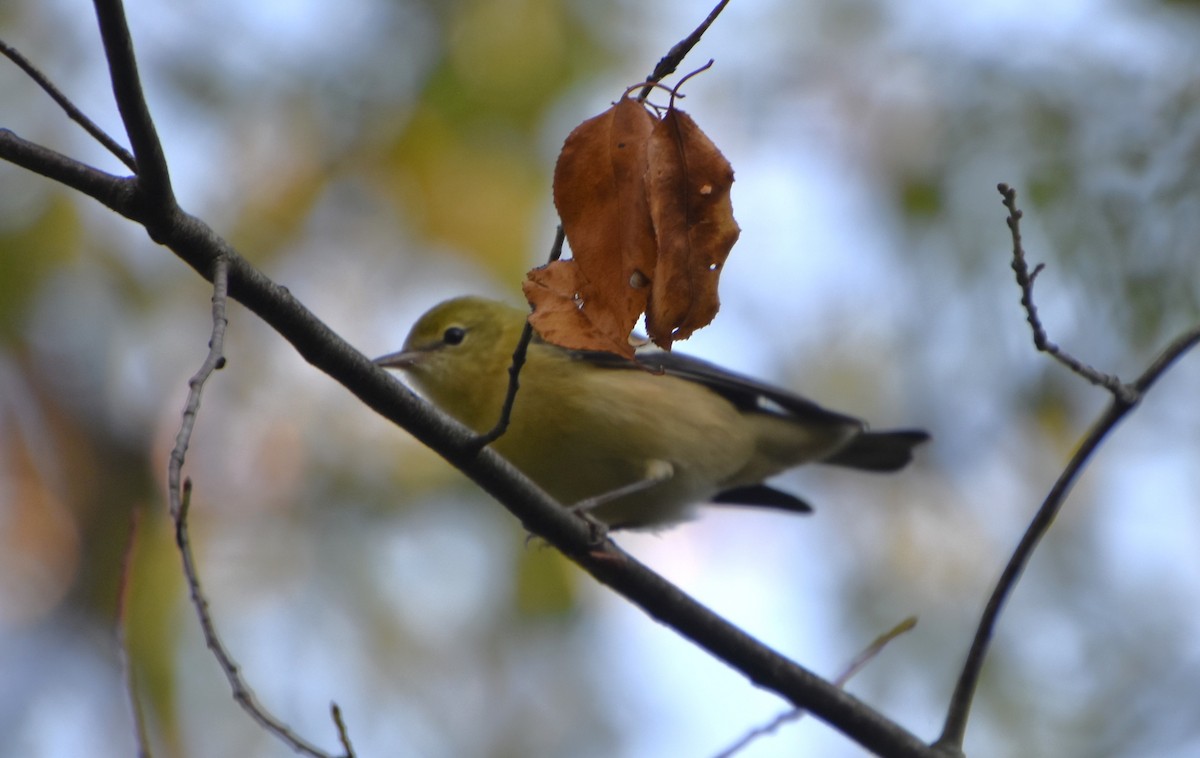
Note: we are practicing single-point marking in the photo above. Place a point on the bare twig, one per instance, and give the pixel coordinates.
(856, 665)
(68, 107)
(242, 693)
(212, 362)
(135, 705)
(518, 361)
(1125, 399)
(875, 648)
(669, 62)
(675, 91)
(343, 733)
(1025, 279)
(179, 499)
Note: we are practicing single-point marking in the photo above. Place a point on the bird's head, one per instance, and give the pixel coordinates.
(458, 347)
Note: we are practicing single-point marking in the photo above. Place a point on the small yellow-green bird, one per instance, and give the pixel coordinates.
(635, 443)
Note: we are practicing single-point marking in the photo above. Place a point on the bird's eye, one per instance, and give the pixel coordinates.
(454, 335)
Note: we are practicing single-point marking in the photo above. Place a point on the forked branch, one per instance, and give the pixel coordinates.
(1125, 399)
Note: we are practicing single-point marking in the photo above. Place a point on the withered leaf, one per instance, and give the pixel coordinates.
(689, 182)
(564, 311)
(600, 194)
(645, 206)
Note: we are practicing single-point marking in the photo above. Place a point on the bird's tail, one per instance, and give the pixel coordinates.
(879, 451)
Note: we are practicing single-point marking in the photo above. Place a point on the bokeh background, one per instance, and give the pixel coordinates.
(375, 156)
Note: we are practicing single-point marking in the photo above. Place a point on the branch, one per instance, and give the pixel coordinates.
(335, 713)
(115, 192)
(518, 360)
(1125, 399)
(154, 180)
(180, 497)
(669, 62)
(242, 694)
(69, 107)
(860, 661)
(1025, 280)
(212, 362)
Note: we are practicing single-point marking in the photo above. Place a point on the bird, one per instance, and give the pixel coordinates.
(635, 444)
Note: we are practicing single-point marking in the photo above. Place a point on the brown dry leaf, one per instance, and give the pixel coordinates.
(600, 194)
(688, 181)
(564, 312)
(645, 205)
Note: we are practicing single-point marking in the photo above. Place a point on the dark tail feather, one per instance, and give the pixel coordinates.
(763, 496)
(879, 451)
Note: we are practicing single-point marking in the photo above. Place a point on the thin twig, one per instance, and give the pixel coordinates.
(518, 361)
(242, 694)
(180, 499)
(1025, 279)
(135, 705)
(212, 362)
(68, 107)
(954, 730)
(669, 62)
(875, 648)
(343, 733)
(675, 91)
(795, 714)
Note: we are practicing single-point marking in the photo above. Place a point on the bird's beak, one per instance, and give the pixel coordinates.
(401, 360)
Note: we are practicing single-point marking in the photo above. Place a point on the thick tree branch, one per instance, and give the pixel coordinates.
(114, 192)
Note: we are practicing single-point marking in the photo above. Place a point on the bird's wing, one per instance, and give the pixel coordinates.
(743, 392)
